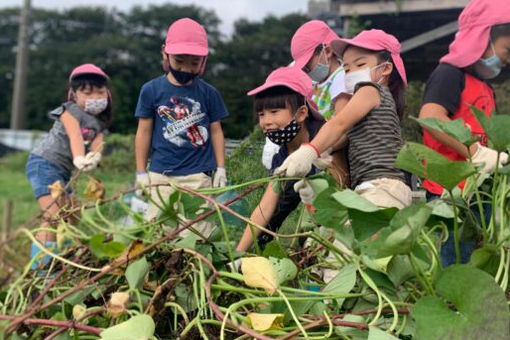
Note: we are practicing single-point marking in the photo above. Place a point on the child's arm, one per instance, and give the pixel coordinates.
(97, 143)
(340, 102)
(143, 143)
(361, 103)
(218, 144)
(261, 215)
(73, 131)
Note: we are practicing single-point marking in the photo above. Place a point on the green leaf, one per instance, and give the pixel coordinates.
(352, 200)
(375, 333)
(366, 224)
(274, 249)
(427, 163)
(189, 242)
(285, 268)
(342, 283)
(401, 235)
(351, 332)
(329, 212)
(454, 128)
(140, 327)
(100, 249)
(496, 128)
(136, 272)
(441, 208)
(480, 308)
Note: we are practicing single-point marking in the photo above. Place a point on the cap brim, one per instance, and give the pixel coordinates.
(339, 46)
(191, 49)
(266, 86)
(304, 59)
(467, 47)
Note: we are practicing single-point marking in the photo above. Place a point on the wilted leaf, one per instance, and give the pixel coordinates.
(264, 322)
(94, 189)
(258, 272)
(117, 304)
(140, 327)
(130, 252)
(56, 189)
(79, 311)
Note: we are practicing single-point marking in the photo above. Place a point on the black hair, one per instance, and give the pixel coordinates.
(502, 30)
(395, 84)
(82, 81)
(280, 97)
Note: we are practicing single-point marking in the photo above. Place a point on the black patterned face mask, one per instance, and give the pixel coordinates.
(284, 135)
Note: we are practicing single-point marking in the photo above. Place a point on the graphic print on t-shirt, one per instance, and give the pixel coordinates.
(181, 118)
(88, 134)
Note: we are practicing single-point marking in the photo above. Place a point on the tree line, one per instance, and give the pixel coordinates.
(127, 45)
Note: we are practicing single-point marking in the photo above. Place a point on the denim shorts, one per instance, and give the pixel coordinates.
(41, 173)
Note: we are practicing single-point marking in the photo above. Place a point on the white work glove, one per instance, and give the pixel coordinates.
(220, 177)
(142, 180)
(305, 191)
(235, 266)
(324, 161)
(299, 163)
(486, 158)
(93, 158)
(82, 163)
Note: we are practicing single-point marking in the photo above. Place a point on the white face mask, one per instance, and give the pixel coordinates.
(96, 106)
(359, 76)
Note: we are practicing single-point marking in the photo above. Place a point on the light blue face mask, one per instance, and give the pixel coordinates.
(489, 68)
(319, 72)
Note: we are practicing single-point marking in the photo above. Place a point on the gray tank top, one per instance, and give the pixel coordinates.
(375, 141)
(55, 147)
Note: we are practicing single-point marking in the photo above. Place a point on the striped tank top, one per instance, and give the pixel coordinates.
(375, 141)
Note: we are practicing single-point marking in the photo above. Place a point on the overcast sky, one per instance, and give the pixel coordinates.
(227, 10)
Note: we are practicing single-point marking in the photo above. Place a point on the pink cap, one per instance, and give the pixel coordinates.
(473, 37)
(87, 69)
(186, 36)
(374, 40)
(293, 78)
(306, 39)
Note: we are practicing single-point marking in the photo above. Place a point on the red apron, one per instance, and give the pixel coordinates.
(476, 93)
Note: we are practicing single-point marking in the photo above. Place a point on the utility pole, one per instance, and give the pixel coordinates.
(18, 97)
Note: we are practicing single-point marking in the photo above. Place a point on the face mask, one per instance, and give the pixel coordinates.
(359, 76)
(319, 72)
(490, 67)
(96, 106)
(182, 77)
(284, 135)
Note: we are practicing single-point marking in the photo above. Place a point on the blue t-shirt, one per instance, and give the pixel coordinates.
(182, 115)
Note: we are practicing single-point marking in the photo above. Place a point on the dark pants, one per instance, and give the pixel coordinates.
(448, 255)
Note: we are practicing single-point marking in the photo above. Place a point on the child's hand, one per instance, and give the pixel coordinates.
(220, 177)
(142, 181)
(80, 163)
(299, 163)
(305, 191)
(488, 158)
(93, 158)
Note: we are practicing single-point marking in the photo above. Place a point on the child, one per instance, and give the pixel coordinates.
(74, 141)
(179, 120)
(287, 120)
(311, 50)
(480, 49)
(370, 121)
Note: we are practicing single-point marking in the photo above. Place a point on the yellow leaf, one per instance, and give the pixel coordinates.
(94, 189)
(79, 311)
(264, 322)
(56, 189)
(117, 304)
(130, 252)
(258, 272)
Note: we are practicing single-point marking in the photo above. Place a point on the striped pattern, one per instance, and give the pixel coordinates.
(375, 141)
